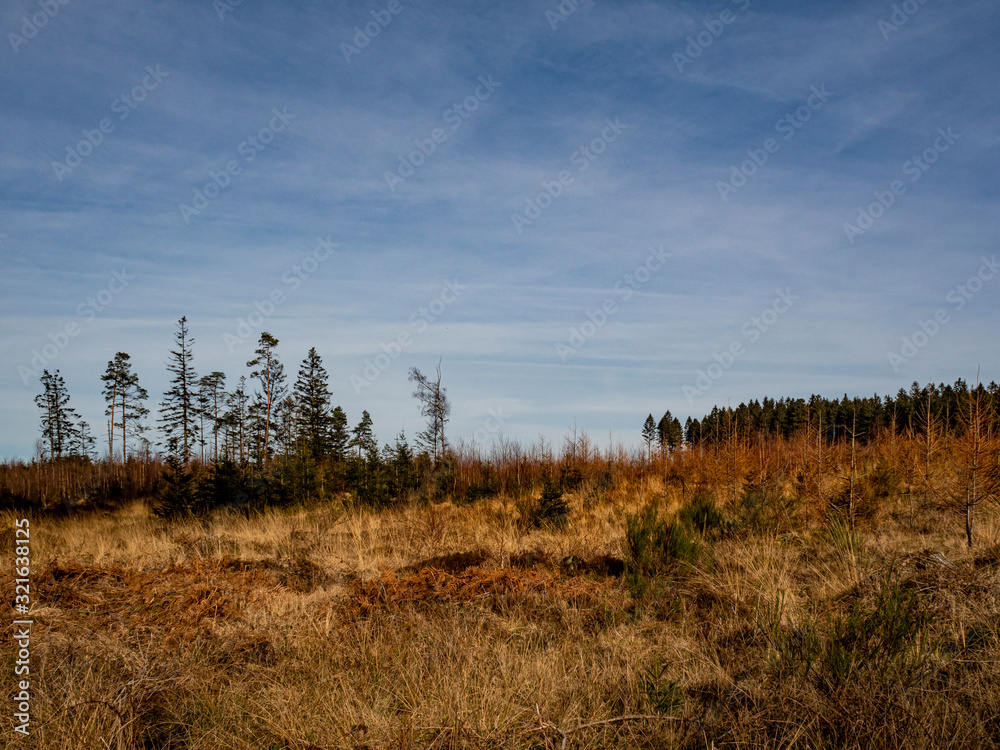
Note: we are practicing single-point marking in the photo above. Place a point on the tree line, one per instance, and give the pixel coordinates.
(835, 419)
(262, 440)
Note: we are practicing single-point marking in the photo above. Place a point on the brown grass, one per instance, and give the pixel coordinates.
(453, 627)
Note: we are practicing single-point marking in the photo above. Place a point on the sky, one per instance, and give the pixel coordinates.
(586, 211)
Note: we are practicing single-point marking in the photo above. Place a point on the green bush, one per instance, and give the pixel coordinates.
(879, 645)
(179, 495)
(764, 511)
(662, 696)
(550, 510)
(654, 546)
(702, 516)
(883, 641)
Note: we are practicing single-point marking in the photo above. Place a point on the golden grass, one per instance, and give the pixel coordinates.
(451, 627)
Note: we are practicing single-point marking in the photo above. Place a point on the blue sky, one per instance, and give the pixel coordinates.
(589, 210)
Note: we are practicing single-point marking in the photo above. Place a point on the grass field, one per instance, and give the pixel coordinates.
(443, 626)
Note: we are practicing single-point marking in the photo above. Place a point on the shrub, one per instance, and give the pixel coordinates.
(702, 516)
(180, 495)
(764, 512)
(653, 545)
(480, 490)
(880, 645)
(662, 696)
(550, 510)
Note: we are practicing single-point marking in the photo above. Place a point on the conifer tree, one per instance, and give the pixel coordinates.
(312, 403)
(211, 398)
(59, 420)
(125, 398)
(179, 408)
(83, 441)
(435, 406)
(340, 438)
(236, 422)
(649, 434)
(270, 374)
(364, 438)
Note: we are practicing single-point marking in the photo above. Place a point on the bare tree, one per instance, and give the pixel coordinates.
(980, 470)
(434, 405)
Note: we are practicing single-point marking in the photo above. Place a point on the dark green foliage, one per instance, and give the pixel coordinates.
(480, 490)
(60, 423)
(340, 437)
(881, 645)
(662, 696)
(763, 511)
(550, 510)
(363, 439)
(270, 375)
(125, 399)
(445, 476)
(312, 405)
(226, 485)
(702, 516)
(179, 408)
(401, 468)
(649, 433)
(370, 480)
(787, 417)
(179, 496)
(654, 546)
(669, 433)
(434, 405)
(570, 476)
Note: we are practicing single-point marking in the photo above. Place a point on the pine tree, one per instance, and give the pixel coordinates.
(340, 438)
(270, 374)
(125, 397)
(179, 408)
(59, 420)
(669, 433)
(236, 423)
(211, 398)
(364, 438)
(312, 402)
(649, 434)
(675, 436)
(83, 441)
(435, 406)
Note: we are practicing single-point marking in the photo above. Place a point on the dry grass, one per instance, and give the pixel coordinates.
(452, 627)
